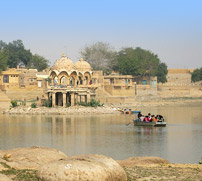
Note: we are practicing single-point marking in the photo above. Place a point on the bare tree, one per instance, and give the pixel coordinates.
(99, 55)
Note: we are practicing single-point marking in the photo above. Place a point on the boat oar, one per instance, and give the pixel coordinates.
(128, 124)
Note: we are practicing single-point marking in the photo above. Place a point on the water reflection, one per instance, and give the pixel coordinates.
(179, 142)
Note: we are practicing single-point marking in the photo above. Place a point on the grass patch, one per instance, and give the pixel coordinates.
(19, 174)
(92, 103)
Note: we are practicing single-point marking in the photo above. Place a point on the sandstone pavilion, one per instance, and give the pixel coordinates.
(70, 82)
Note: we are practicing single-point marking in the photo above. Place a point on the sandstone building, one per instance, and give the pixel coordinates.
(68, 82)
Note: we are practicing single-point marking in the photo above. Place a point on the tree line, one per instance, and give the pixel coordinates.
(101, 56)
(14, 54)
(128, 61)
(197, 75)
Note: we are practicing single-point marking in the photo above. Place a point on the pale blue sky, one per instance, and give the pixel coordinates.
(172, 29)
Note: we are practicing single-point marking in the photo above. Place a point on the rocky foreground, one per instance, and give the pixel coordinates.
(41, 163)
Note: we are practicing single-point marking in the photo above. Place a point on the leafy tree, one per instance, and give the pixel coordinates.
(99, 55)
(162, 72)
(17, 54)
(137, 62)
(3, 61)
(197, 75)
(127, 62)
(140, 62)
(38, 62)
(2, 45)
(14, 54)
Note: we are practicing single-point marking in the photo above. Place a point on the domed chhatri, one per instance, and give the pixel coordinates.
(70, 82)
(64, 63)
(82, 65)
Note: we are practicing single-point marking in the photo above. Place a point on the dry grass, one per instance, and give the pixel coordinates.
(179, 172)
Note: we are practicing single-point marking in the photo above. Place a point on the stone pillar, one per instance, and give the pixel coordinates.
(64, 99)
(53, 99)
(76, 98)
(88, 97)
(72, 99)
(82, 98)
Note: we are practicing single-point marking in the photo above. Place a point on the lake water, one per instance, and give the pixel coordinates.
(179, 142)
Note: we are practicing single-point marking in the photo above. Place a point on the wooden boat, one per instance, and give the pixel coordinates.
(137, 122)
(135, 112)
(129, 111)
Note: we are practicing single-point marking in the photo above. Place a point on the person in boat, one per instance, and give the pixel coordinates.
(159, 118)
(139, 115)
(146, 119)
(149, 117)
(142, 118)
(153, 119)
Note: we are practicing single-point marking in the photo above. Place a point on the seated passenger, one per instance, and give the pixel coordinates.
(153, 119)
(160, 118)
(146, 119)
(139, 115)
(149, 117)
(142, 118)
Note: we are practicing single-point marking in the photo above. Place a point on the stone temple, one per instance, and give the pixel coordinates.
(70, 82)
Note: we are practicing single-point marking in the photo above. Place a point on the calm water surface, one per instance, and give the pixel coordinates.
(179, 142)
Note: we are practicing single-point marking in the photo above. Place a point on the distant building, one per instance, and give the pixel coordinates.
(69, 83)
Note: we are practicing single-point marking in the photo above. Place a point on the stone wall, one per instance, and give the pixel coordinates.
(145, 90)
(120, 90)
(21, 94)
(180, 91)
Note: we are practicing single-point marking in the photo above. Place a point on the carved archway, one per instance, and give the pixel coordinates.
(87, 78)
(73, 78)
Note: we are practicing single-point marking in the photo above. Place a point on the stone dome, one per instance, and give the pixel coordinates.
(82, 65)
(64, 63)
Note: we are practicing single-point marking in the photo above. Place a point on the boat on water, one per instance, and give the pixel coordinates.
(137, 122)
(135, 112)
(129, 111)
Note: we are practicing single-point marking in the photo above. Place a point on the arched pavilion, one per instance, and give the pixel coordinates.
(70, 82)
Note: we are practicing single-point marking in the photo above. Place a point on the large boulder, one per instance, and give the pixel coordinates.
(113, 167)
(4, 178)
(30, 158)
(86, 167)
(133, 161)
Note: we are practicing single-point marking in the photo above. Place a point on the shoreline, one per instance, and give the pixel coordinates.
(106, 109)
(62, 111)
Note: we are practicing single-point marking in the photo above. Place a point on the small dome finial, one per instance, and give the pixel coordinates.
(81, 59)
(63, 55)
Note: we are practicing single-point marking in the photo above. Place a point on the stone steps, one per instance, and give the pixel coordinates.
(100, 92)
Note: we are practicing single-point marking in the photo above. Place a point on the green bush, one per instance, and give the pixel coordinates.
(14, 103)
(82, 104)
(48, 103)
(68, 104)
(33, 105)
(92, 103)
(23, 103)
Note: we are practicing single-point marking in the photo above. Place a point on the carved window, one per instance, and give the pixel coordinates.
(6, 79)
